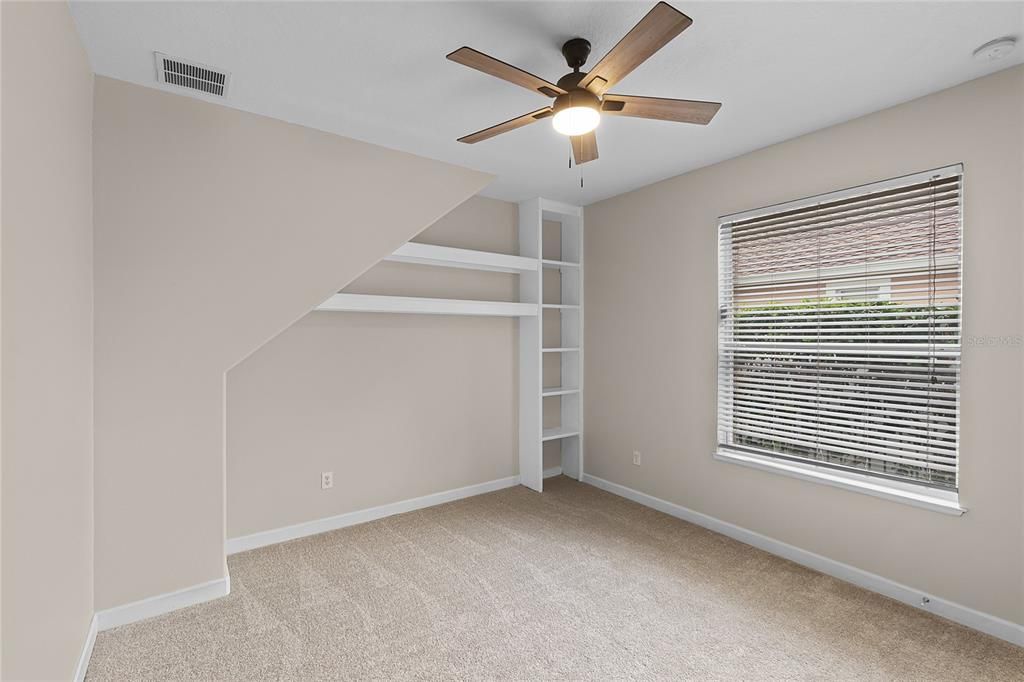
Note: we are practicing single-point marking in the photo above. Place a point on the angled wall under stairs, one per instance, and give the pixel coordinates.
(215, 230)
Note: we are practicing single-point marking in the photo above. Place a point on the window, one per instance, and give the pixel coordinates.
(839, 336)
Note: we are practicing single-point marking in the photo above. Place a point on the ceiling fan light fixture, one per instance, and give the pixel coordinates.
(577, 112)
(576, 120)
(582, 98)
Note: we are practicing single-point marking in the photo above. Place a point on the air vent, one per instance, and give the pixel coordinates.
(190, 75)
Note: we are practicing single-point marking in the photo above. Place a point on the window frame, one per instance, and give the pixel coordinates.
(904, 491)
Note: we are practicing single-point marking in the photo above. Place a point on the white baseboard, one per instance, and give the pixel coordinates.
(163, 603)
(83, 658)
(992, 625)
(301, 530)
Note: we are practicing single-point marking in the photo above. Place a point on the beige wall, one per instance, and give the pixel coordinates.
(215, 230)
(47, 342)
(651, 345)
(397, 406)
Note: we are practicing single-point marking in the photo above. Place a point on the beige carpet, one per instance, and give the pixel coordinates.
(574, 584)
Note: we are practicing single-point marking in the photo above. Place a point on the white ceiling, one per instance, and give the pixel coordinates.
(376, 72)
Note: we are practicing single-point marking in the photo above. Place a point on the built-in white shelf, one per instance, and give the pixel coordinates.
(559, 432)
(549, 391)
(446, 256)
(530, 266)
(560, 264)
(368, 303)
(552, 233)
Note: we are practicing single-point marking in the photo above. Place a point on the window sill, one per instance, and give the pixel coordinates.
(915, 495)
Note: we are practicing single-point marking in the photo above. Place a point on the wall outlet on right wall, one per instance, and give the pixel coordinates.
(326, 480)
(636, 457)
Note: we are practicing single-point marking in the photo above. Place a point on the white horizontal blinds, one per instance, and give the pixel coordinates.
(839, 338)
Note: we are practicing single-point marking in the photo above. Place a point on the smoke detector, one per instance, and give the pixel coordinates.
(189, 75)
(995, 50)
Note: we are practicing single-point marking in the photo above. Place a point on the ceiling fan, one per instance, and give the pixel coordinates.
(581, 96)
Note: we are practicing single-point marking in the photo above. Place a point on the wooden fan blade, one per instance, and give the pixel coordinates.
(467, 56)
(662, 24)
(511, 124)
(661, 108)
(584, 147)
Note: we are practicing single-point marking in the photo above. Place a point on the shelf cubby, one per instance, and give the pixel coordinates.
(559, 432)
(552, 391)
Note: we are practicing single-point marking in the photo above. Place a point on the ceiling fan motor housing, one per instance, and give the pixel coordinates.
(578, 97)
(571, 81)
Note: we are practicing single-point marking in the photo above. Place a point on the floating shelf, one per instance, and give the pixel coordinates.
(549, 391)
(559, 350)
(560, 306)
(446, 256)
(559, 432)
(560, 264)
(429, 306)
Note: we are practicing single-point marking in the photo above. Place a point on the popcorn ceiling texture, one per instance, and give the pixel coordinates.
(574, 583)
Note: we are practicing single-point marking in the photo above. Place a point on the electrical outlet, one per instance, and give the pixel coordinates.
(326, 480)
(636, 457)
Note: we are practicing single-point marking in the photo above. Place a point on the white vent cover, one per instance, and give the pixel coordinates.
(190, 75)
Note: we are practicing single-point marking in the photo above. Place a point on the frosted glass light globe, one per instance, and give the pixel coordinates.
(574, 121)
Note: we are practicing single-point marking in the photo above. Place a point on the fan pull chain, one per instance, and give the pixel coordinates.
(577, 165)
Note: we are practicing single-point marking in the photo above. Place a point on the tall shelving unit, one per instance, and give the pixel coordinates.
(550, 314)
(551, 344)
